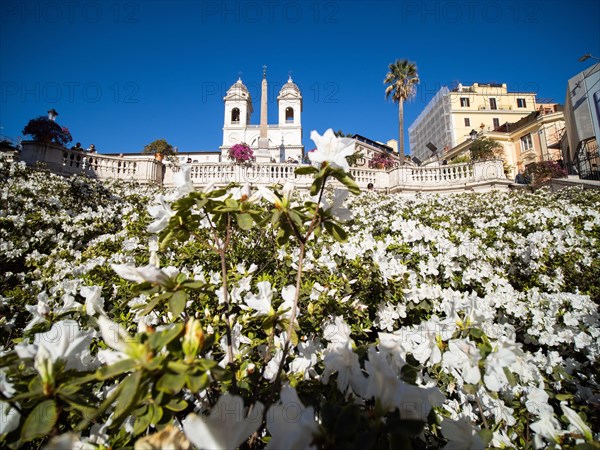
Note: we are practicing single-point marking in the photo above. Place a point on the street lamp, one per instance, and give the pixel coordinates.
(52, 114)
(588, 56)
(473, 135)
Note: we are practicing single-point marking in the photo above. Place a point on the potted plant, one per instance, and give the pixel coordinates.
(382, 161)
(47, 131)
(241, 153)
(160, 149)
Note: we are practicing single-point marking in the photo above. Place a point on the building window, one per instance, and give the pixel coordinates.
(526, 143)
(464, 102)
(493, 103)
(496, 123)
(467, 122)
(521, 103)
(289, 115)
(235, 115)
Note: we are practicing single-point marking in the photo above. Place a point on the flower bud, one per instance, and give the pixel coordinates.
(43, 364)
(193, 340)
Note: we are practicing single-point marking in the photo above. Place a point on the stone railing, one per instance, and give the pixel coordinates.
(451, 178)
(64, 161)
(266, 174)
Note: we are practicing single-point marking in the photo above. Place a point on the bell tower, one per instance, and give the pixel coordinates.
(238, 108)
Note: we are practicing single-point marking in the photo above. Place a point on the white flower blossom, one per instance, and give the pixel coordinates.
(332, 149)
(227, 426)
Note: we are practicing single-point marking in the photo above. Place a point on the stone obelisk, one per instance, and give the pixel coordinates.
(263, 155)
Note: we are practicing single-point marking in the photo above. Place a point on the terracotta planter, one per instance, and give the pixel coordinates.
(159, 156)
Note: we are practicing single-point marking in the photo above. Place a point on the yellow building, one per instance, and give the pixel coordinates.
(534, 138)
(452, 115)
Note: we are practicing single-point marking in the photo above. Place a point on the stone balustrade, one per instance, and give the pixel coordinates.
(479, 176)
(64, 161)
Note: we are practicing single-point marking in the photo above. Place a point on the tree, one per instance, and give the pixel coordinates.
(340, 133)
(486, 148)
(161, 148)
(47, 131)
(401, 80)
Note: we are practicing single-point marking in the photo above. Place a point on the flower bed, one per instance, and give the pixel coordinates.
(450, 322)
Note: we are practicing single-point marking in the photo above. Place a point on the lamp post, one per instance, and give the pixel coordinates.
(473, 135)
(588, 56)
(52, 114)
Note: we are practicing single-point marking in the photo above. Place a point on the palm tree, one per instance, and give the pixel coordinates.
(401, 80)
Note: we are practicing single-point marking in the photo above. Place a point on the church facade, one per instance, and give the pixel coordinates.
(281, 142)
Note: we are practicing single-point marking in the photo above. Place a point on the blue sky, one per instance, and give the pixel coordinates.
(124, 73)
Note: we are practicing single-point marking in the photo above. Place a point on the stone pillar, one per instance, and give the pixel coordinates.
(263, 155)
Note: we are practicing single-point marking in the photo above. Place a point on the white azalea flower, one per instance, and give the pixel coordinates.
(271, 197)
(495, 378)
(290, 423)
(270, 372)
(116, 337)
(94, 303)
(140, 274)
(9, 418)
(183, 181)
(547, 427)
(332, 149)
(463, 355)
(63, 341)
(339, 358)
(307, 358)
(461, 435)
(288, 293)
(66, 441)
(40, 311)
(382, 384)
(162, 213)
(227, 427)
(576, 420)
(237, 340)
(261, 303)
(337, 208)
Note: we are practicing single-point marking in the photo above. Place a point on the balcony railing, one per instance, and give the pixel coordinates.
(454, 177)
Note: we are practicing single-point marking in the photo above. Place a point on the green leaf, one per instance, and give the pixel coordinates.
(116, 369)
(177, 302)
(231, 204)
(143, 421)
(194, 284)
(306, 170)
(40, 421)
(178, 366)
(476, 333)
(486, 436)
(151, 305)
(244, 221)
(512, 380)
(347, 181)
(470, 388)
(159, 340)
(337, 232)
(563, 397)
(176, 405)
(127, 395)
(197, 383)
(171, 383)
(316, 186)
(167, 239)
(296, 218)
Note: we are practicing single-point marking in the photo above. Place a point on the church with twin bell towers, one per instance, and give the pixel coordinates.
(281, 142)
